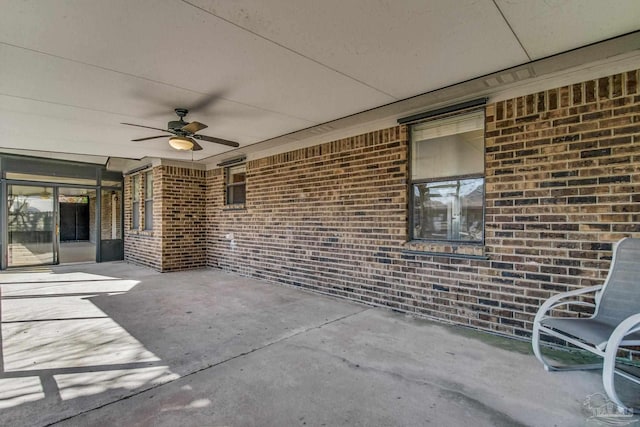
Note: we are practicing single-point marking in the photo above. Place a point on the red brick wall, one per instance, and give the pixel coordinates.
(562, 184)
(177, 240)
(182, 208)
(143, 247)
(311, 218)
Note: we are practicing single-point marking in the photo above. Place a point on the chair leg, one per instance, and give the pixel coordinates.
(609, 366)
(535, 343)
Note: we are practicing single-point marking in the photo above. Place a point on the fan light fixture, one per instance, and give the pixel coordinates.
(181, 143)
(45, 194)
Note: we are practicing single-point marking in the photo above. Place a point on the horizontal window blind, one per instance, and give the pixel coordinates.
(453, 146)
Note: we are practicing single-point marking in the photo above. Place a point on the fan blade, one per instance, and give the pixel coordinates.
(194, 127)
(147, 127)
(151, 137)
(206, 100)
(196, 146)
(216, 140)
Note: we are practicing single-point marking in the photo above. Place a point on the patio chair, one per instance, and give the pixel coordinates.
(615, 322)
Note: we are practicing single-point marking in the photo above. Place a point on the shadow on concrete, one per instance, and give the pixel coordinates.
(74, 341)
(60, 353)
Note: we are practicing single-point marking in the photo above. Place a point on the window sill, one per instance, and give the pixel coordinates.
(235, 207)
(450, 249)
(141, 232)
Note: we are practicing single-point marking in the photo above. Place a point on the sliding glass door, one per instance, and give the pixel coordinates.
(31, 225)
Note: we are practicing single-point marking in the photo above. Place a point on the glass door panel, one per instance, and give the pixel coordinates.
(30, 221)
(78, 237)
(111, 243)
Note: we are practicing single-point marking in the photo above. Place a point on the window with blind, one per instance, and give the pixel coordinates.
(148, 200)
(236, 185)
(447, 178)
(135, 205)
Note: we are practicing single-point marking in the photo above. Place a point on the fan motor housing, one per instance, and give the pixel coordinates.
(176, 124)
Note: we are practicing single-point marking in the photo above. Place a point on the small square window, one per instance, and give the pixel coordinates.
(236, 185)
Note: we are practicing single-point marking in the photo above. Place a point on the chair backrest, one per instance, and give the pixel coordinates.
(620, 297)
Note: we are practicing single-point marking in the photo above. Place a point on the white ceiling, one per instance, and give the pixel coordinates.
(72, 70)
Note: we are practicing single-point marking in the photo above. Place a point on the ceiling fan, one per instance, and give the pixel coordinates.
(183, 134)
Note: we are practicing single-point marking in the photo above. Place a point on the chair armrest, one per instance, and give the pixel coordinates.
(628, 326)
(558, 300)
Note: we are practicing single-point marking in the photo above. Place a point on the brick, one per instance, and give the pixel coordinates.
(595, 153)
(617, 88)
(632, 82)
(603, 88)
(552, 96)
(590, 91)
(626, 130)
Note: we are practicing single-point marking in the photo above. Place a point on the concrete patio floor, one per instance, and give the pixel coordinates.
(114, 344)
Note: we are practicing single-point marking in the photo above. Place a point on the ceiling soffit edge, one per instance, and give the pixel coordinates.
(590, 62)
